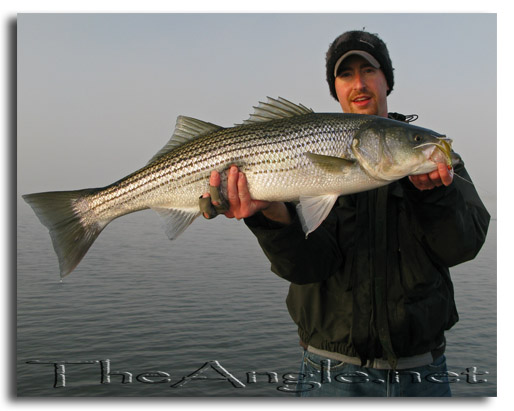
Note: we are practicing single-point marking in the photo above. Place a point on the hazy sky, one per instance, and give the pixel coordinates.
(98, 94)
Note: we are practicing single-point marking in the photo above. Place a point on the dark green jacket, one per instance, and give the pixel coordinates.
(373, 281)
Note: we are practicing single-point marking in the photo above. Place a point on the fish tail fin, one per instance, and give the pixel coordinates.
(72, 227)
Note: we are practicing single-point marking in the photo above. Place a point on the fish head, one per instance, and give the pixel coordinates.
(390, 150)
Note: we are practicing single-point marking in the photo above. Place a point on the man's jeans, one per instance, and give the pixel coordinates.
(322, 377)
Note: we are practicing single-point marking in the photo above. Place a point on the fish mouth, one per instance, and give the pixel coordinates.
(444, 144)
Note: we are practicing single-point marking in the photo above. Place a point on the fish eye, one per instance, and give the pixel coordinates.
(418, 138)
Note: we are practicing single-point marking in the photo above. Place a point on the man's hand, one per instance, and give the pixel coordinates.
(241, 204)
(436, 178)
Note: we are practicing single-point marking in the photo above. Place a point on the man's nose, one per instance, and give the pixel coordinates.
(359, 83)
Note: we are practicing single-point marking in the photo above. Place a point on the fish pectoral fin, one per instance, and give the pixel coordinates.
(313, 210)
(330, 164)
(176, 220)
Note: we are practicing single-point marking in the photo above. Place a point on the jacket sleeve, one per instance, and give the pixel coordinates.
(293, 257)
(450, 221)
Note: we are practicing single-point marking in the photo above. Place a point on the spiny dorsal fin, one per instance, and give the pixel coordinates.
(275, 109)
(186, 129)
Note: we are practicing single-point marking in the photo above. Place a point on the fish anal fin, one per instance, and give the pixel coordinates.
(176, 220)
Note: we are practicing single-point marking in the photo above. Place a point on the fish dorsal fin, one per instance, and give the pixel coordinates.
(186, 129)
(275, 109)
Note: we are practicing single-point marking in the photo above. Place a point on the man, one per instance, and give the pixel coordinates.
(370, 288)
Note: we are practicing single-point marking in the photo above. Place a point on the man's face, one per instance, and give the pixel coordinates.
(361, 88)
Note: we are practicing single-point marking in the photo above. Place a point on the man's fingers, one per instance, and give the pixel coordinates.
(435, 178)
(442, 176)
(242, 188)
(213, 203)
(421, 182)
(232, 191)
(240, 203)
(206, 207)
(246, 203)
(218, 201)
(214, 181)
(445, 174)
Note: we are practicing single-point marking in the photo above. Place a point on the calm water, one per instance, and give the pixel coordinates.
(162, 310)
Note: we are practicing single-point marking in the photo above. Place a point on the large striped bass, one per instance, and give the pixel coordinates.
(288, 153)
